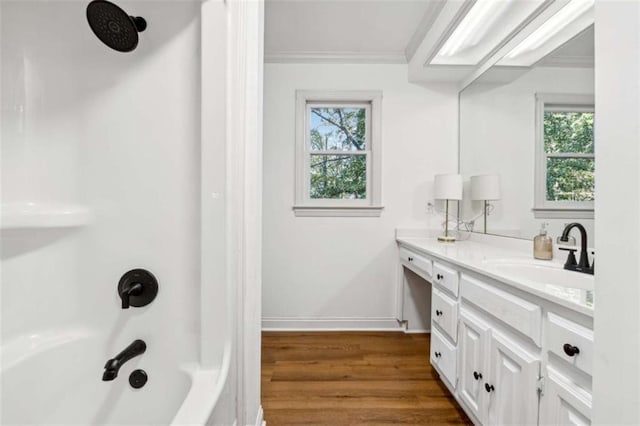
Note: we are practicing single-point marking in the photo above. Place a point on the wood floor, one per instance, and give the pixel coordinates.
(344, 378)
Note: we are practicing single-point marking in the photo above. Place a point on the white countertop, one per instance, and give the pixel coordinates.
(478, 255)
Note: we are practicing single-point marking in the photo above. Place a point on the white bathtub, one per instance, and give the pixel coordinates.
(55, 378)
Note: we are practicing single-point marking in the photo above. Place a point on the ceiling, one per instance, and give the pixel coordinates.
(358, 30)
(415, 31)
(580, 51)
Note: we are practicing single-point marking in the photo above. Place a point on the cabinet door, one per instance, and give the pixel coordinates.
(512, 387)
(563, 402)
(474, 350)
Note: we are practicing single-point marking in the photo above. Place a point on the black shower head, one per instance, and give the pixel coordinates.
(113, 26)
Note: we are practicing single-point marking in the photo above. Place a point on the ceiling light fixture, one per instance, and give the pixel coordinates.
(461, 36)
(486, 25)
(568, 14)
(473, 26)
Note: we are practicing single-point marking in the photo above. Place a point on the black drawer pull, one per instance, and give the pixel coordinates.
(438, 313)
(477, 375)
(410, 259)
(437, 354)
(489, 387)
(570, 349)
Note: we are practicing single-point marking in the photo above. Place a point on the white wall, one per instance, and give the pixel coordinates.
(497, 135)
(324, 272)
(616, 378)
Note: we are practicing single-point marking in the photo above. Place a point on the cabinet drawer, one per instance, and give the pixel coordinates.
(443, 357)
(417, 263)
(446, 277)
(519, 314)
(444, 312)
(561, 332)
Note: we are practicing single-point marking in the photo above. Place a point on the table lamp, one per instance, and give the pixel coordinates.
(447, 187)
(485, 188)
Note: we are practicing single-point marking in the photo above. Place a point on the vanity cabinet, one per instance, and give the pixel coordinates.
(507, 356)
(570, 342)
(444, 356)
(563, 402)
(446, 277)
(566, 396)
(444, 313)
(475, 339)
(498, 376)
(513, 383)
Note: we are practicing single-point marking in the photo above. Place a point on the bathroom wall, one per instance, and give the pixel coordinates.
(498, 136)
(341, 272)
(616, 376)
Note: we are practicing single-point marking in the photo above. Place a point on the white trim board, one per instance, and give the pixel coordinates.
(418, 331)
(337, 57)
(330, 324)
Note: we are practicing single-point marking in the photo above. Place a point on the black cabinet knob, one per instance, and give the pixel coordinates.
(477, 375)
(438, 313)
(437, 354)
(411, 259)
(570, 349)
(488, 387)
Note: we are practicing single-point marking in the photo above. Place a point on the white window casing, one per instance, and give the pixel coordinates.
(543, 208)
(372, 204)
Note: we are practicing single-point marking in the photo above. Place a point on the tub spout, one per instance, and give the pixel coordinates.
(111, 368)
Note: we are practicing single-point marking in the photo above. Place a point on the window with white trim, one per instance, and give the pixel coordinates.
(338, 153)
(565, 158)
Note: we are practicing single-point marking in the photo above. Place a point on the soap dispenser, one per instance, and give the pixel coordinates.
(543, 244)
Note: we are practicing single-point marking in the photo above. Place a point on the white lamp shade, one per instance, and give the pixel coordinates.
(448, 187)
(485, 187)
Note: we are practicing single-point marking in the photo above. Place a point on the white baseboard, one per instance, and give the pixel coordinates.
(417, 331)
(330, 324)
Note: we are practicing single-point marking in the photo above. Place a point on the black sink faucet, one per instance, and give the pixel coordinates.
(111, 368)
(583, 264)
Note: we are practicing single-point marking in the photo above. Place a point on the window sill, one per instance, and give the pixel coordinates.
(338, 211)
(562, 213)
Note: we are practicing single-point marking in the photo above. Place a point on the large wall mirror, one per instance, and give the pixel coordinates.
(526, 138)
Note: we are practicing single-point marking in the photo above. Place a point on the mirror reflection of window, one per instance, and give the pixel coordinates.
(565, 160)
(570, 159)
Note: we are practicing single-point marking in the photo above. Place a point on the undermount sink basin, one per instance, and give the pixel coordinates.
(540, 272)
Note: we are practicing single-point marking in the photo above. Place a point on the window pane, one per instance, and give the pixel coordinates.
(570, 179)
(341, 129)
(568, 132)
(338, 176)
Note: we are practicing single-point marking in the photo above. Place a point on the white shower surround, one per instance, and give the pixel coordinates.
(116, 170)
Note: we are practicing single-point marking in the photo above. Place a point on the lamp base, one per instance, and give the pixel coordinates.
(446, 239)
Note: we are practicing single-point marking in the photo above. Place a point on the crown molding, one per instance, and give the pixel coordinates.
(335, 57)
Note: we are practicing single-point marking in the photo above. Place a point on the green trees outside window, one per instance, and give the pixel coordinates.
(338, 144)
(568, 146)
